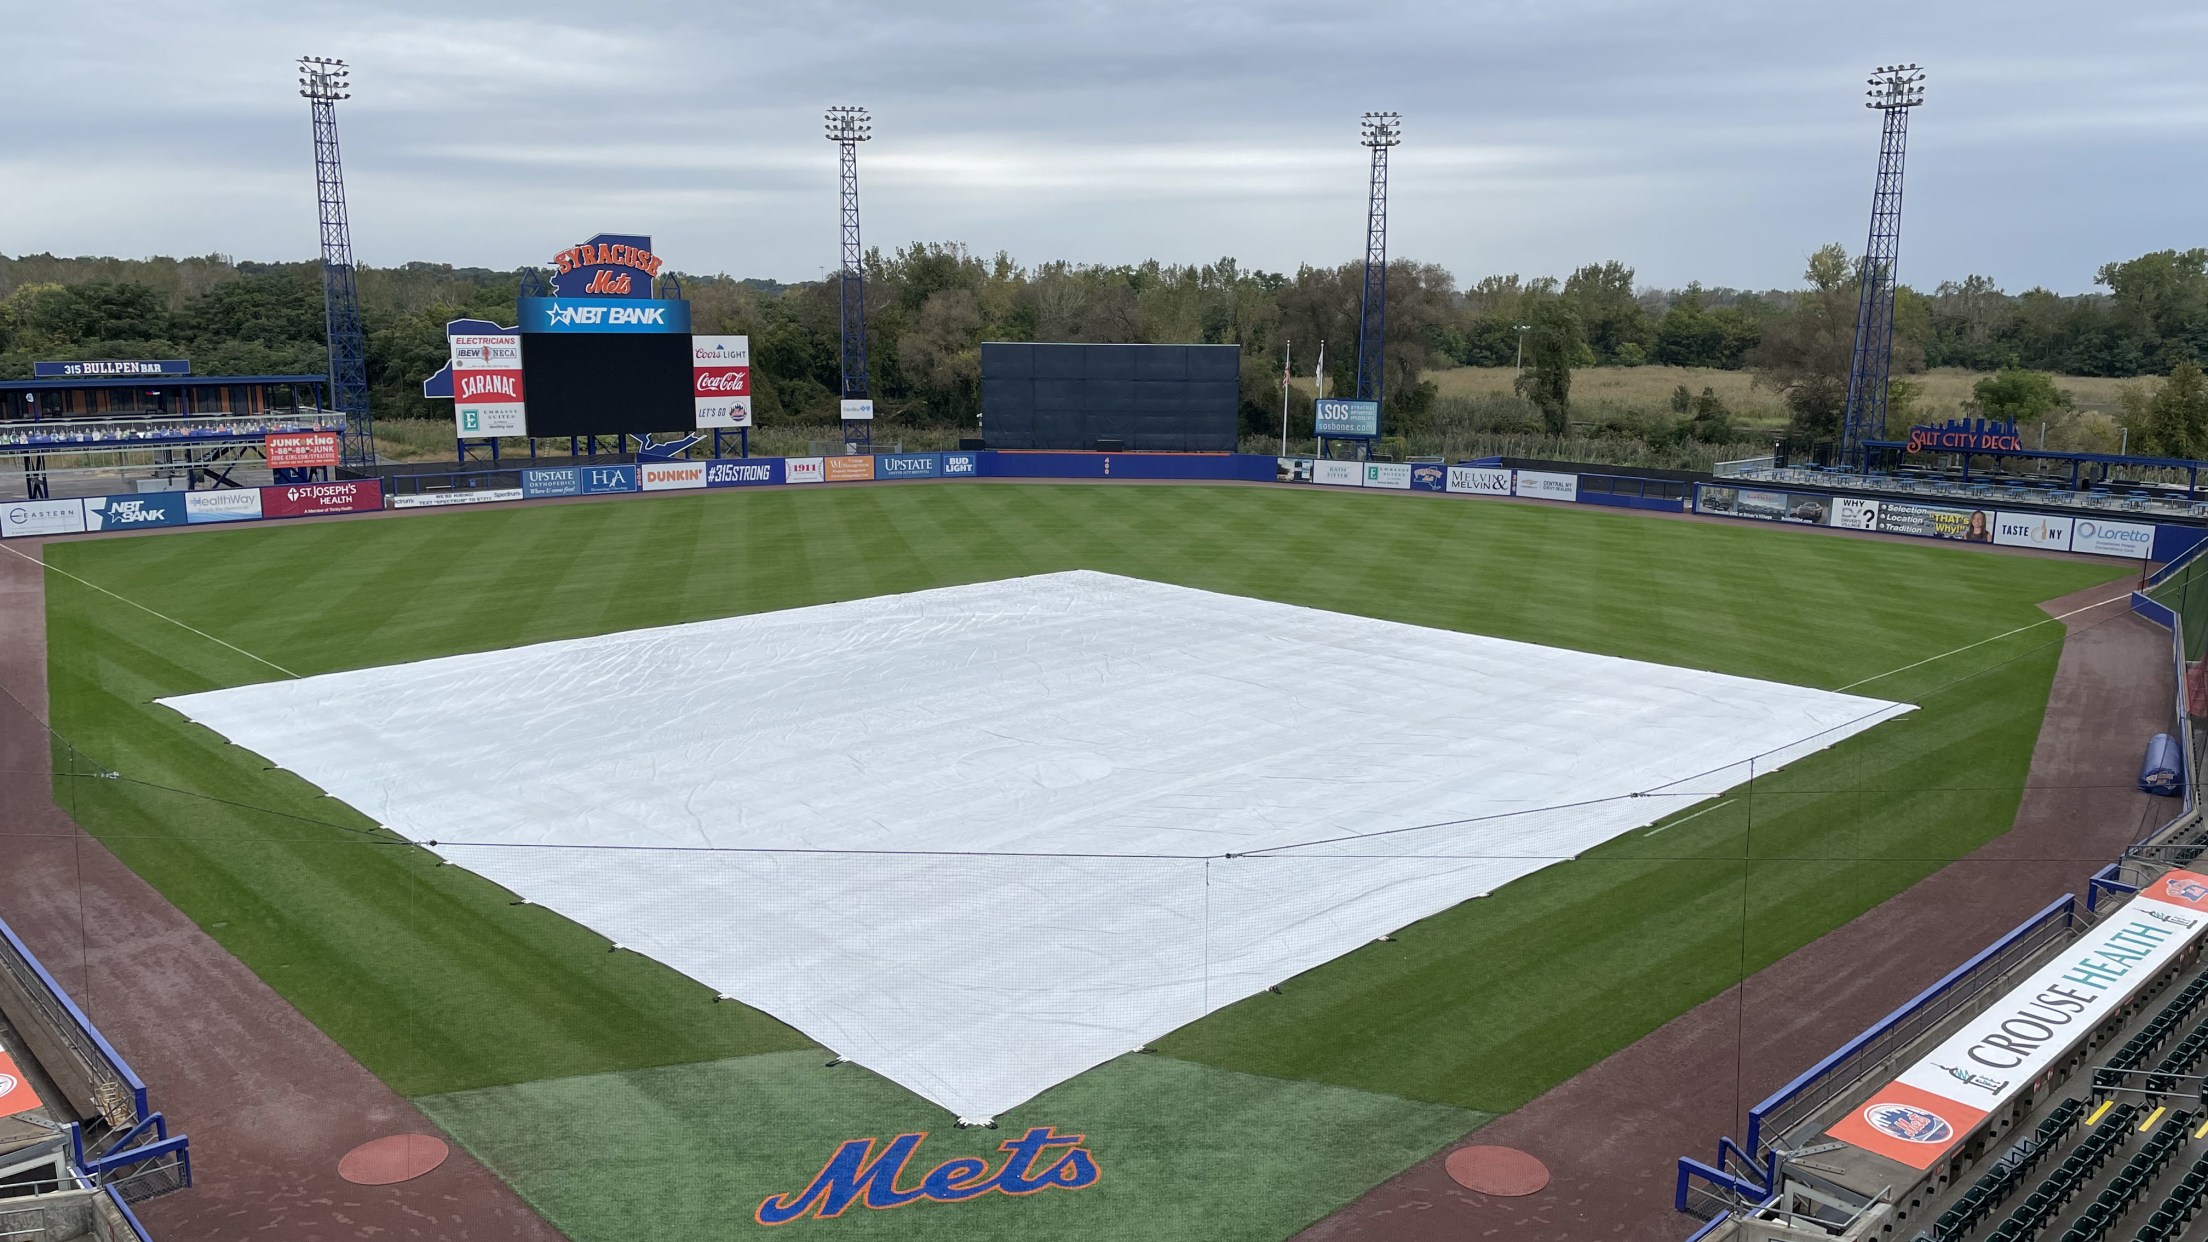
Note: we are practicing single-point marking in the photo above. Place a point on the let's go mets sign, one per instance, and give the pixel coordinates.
(1041, 1159)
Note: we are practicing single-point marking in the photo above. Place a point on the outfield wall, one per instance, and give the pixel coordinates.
(2089, 534)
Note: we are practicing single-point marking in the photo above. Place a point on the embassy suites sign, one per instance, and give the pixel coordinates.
(1934, 1104)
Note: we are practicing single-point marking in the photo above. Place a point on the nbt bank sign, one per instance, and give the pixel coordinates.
(605, 285)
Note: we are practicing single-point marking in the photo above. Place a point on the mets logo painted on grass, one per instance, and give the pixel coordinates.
(1909, 1124)
(1041, 1159)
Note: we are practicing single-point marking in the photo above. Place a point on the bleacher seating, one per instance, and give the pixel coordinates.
(2181, 1061)
(2123, 1190)
(2179, 1208)
(2061, 1186)
(1990, 1191)
(2150, 1038)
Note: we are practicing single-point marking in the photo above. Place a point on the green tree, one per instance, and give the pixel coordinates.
(2174, 420)
(1805, 353)
(1611, 318)
(2017, 395)
(1553, 347)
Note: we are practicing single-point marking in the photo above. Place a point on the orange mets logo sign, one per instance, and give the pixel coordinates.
(610, 265)
(1041, 1159)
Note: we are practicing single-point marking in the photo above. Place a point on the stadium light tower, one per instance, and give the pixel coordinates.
(1380, 131)
(322, 82)
(1895, 89)
(849, 126)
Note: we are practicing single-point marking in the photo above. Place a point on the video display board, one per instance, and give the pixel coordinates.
(1162, 398)
(608, 383)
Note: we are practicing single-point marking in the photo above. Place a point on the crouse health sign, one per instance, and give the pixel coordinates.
(1921, 1115)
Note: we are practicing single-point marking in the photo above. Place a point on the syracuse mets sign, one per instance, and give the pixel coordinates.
(610, 265)
(1041, 1159)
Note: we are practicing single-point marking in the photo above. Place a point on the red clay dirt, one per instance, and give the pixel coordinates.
(1612, 1135)
(271, 1103)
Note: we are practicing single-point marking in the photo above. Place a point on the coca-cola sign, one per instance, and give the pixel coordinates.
(721, 381)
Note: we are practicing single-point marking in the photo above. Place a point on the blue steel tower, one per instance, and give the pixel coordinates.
(1895, 89)
(848, 127)
(1381, 130)
(323, 82)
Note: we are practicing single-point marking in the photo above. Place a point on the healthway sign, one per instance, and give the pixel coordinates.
(1921, 1115)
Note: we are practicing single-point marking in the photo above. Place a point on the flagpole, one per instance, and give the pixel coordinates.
(1287, 350)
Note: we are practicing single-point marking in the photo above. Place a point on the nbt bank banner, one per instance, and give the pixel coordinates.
(593, 350)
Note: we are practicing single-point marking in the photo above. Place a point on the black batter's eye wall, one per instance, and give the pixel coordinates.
(607, 383)
(1169, 398)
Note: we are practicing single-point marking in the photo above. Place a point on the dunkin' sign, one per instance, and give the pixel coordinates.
(720, 380)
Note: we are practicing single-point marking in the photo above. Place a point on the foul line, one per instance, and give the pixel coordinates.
(1982, 642)
(1697, 815)
(164, 616)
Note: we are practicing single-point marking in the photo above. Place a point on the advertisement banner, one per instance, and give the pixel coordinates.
(133, 512)
(720, 380)
(1479, 480)
(1391, 475)
(1543, 485)
(241, 504)
(1854, 513)
(803, 470)
(41, 517)
(2104, 538)
(860, 410)
(670, 476)
(1334, 416)
(307, 499)
(1292, 470)
(1766, 506)
(598, 480)
(603, 315)
(1931, 1106)
(1935, 522)
(560, 481)
(961, 465)
(485, 351)
(2031, 530)
(743, 471)
(292, 450)
(1338, 473)
(472, 496)
(111, 368)
(908, 466)
(609, 265)
(850, 469)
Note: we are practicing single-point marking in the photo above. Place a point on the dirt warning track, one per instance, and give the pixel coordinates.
(270, 1102)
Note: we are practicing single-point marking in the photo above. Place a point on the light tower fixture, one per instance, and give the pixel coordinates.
(1895, 91)
(1378, 131)
(322, 83)
(321, 78)
(1895, 86)
(847, 126)
(1381, 129)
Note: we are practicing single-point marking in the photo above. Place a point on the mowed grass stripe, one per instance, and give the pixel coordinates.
(517, 994)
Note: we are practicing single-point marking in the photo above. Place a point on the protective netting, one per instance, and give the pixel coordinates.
(982, 838)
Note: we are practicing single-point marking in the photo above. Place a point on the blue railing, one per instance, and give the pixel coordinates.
(130, 1219)
(75, 1028)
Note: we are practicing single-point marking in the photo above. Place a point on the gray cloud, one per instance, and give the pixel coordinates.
(1694, 139)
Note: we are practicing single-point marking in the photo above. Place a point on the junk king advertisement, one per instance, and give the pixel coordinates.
(720, 380)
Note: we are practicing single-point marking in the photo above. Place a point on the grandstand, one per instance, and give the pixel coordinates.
(82, 435)
(2053, 1087)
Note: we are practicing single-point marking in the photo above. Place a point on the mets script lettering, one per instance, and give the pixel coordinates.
(1041, 1159)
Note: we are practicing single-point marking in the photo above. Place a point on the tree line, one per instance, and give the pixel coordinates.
(930, 305)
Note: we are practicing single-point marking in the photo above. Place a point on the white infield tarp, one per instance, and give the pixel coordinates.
(980, 839)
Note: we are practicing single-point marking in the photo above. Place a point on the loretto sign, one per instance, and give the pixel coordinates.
(1966, 435)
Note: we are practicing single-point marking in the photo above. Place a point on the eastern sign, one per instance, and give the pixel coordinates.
(1966, 435)
(1345, 419)
(610, 265)
(720, 380)
(858, 1175)
(110, 368)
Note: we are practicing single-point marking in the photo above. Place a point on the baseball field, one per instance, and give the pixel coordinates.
(624, 1100)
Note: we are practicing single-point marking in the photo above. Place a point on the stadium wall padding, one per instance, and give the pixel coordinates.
(1148, 398)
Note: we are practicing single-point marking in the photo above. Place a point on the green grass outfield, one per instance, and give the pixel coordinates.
(505, 1020)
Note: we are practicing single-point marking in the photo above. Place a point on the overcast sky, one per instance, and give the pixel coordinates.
(1694, 139)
